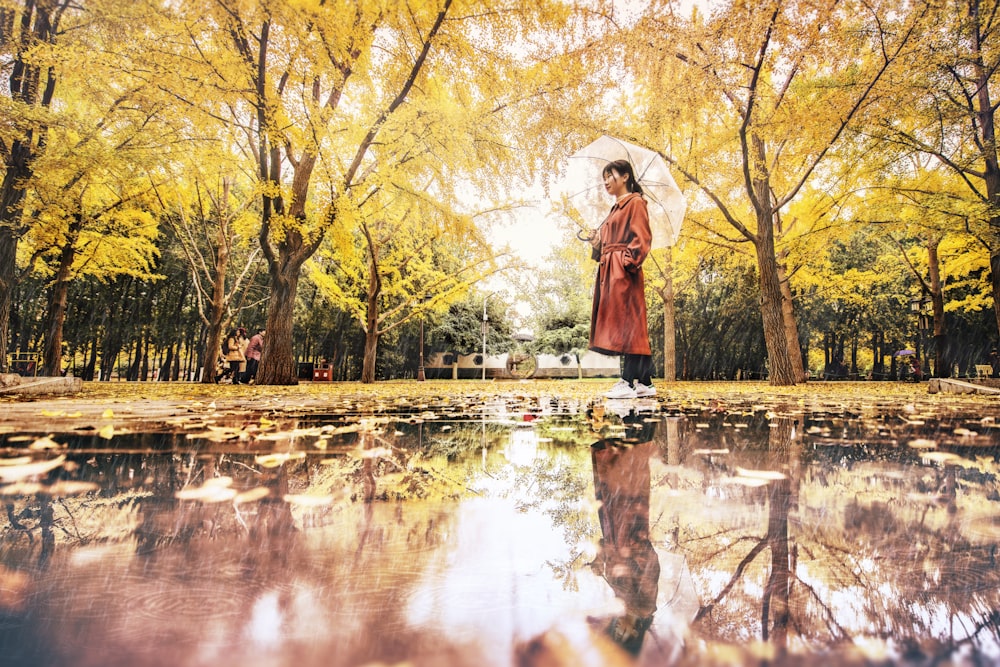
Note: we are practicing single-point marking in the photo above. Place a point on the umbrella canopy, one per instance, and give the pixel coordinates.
(904, 353)
(583, 186)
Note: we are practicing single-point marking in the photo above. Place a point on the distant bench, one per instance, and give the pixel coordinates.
(984, 371)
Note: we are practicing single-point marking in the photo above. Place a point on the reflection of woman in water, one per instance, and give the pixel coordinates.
(626, 559)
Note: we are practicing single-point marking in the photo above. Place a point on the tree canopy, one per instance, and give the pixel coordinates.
(331, 171)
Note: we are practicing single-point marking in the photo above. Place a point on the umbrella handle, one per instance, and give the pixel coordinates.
(585, 235)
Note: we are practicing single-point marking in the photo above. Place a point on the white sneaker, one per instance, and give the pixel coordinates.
(644, 391)
(622, 389)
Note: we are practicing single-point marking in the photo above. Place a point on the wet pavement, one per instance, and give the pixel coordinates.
(516, 524)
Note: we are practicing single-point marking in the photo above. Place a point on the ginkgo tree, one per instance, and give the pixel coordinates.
(771, 90)
(29, 32)
(209, 212)
(404, 259)
(79, 202)
(949, 96)
(315, 84)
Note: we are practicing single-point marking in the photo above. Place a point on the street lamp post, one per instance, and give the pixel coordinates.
(486, 319)
(420, 367)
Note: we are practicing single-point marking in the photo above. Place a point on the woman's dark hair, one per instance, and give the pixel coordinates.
(624, 168)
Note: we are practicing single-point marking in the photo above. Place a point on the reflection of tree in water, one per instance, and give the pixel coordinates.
(870, 553)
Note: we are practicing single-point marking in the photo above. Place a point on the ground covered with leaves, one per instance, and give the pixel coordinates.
(126, 405)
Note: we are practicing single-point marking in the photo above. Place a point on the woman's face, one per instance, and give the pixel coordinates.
(616, 184)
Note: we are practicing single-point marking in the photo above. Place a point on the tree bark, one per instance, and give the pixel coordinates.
(56, 316)
(217, 311)
(371, 317)
(277, 360)
(791, 327)
(8, 277)
(942, 365)
(781, 371)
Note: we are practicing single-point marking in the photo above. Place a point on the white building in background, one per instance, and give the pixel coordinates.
(470, 366)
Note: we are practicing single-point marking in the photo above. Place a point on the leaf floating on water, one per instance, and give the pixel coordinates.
(69, 487)
(53, 413)
(275, 460)
(987, 527)
(745, 481)
(292, 434)
(215, 490)
(19, 472)
(15, 461)
(376, 453)
(44, 443)
(108, 414)
(21, 489)
(965, 433)
(940, 457)
(252, 495)
(308, 499)
(768, 475)
(107, 432)
(922, 443)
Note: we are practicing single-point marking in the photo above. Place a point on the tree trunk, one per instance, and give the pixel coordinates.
(277, 360)
(217, 311)
(8, 277)
(995, 272)
(371, 318)
(371, 356)
(942, 366)
(17, 169)
(781, 371)
(791, 327)
(56, 316)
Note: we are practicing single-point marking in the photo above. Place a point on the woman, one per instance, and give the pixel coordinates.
(233, 352)
(618, 324)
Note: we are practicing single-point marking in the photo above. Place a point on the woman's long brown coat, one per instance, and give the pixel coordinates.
(618, 322)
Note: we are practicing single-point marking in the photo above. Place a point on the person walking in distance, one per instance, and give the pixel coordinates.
(618, 325)
(232, 348)
(254, 348)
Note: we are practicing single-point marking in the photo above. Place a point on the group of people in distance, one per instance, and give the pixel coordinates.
(241, 356)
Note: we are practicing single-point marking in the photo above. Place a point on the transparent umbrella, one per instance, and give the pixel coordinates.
(583, 186)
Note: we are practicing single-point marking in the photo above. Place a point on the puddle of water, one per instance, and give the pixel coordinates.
(603, 536)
